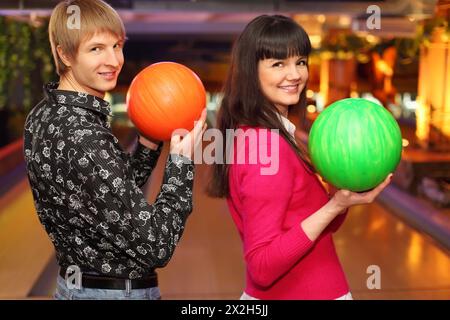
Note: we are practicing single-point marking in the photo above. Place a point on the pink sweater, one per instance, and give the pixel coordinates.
(281, 261)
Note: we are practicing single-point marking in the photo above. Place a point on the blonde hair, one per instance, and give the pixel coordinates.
(94, 16)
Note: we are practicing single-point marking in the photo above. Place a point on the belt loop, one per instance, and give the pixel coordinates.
(128, 285)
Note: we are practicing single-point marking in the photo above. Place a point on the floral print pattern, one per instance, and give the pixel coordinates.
(87, 192)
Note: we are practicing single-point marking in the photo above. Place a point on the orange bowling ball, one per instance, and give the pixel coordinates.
(164, 97)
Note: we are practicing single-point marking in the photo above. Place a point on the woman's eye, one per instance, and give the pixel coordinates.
(277, 64)
(95, 49)
(302, 63)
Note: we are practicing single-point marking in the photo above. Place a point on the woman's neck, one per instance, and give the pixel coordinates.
(284, 111)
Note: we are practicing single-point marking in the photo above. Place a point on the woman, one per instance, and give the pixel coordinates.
(285, 218)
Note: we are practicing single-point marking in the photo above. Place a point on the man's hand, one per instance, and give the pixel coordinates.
(149, 143)
(185, 145)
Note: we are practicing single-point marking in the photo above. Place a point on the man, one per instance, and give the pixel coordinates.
(85, 187)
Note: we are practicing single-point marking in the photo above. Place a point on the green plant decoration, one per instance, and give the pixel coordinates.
(25, 64)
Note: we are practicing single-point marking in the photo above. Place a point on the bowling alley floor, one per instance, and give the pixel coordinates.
(208, 262)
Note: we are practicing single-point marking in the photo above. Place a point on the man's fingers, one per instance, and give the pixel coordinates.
(175, 139)
(203, 115)
(202, 119)
(199, 124)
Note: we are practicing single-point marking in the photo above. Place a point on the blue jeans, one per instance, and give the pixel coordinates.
(64, 293)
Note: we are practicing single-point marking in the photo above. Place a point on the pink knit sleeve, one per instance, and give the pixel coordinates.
(337, 222)
(270, 250)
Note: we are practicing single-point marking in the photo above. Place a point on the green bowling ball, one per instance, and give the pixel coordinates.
(354, 144)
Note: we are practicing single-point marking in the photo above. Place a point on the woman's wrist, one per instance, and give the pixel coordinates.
(314, 225)
(335, 207)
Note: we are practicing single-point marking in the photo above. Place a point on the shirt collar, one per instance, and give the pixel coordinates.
(288, 125)
(79, 99)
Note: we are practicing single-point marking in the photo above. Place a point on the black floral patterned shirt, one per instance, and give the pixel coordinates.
(87, 192)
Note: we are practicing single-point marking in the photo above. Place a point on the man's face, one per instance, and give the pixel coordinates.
(98, 63)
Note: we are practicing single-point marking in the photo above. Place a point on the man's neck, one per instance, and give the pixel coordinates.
(68, 84)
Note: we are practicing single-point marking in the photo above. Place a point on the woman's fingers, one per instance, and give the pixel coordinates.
(369, 196)
(348, 198)
(377, 190)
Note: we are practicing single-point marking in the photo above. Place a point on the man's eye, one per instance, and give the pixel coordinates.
(95, 49)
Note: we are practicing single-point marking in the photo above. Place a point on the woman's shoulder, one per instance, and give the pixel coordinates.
(261, 149)
(252, 138)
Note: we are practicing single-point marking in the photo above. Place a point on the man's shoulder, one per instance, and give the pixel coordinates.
(72, 124)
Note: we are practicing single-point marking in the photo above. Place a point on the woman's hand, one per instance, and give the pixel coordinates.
(343, 199)
(185, 145)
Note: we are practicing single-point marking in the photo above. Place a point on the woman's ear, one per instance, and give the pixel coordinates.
(63, 57)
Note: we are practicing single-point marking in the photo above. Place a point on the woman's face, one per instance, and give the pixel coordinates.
(283, 80)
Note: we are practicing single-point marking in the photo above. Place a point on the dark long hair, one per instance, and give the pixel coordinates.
(243, 103)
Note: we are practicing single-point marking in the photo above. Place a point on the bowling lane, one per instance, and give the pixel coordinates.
(25, 249)
(411, 265)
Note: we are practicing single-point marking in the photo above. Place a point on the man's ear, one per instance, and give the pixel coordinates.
(63, 57)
